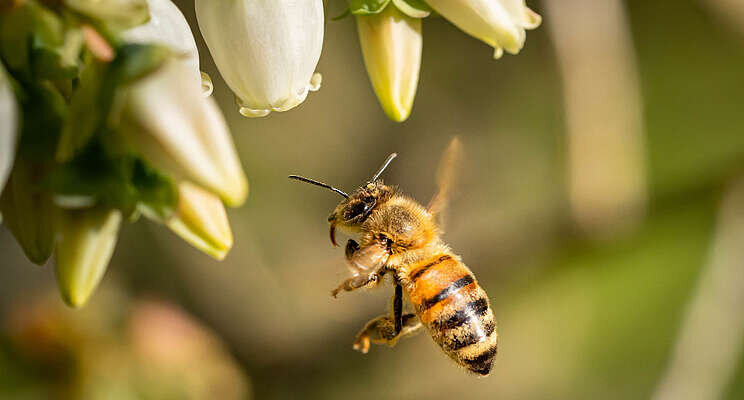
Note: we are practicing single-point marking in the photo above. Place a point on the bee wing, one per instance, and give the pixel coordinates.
(369, 258)
(447, 173)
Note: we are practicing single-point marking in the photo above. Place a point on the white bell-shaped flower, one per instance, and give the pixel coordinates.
(183, 133)
(266, 50)
(499, 23)
(168, 27)
(8, 128)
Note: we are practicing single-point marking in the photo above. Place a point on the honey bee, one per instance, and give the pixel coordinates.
(401, 237)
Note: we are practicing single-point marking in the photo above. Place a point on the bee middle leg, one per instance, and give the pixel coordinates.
(386, 329)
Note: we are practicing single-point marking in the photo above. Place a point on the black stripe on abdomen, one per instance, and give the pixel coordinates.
(475, 334)
(476, 308)
(446, 292)
(426, 267)
(482, 363)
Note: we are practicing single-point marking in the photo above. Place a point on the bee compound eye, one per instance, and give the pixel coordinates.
(355, 210)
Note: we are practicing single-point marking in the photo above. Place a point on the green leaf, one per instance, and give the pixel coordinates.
(60, 62)
(134, 61)
(44, 110)
(413, 8)
(93, 174)
(367, 7)
(121, 181)
(157, 193)
(87, 108)
(345, 14)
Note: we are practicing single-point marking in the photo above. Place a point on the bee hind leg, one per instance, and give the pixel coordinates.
(385, 329)
(381, 330)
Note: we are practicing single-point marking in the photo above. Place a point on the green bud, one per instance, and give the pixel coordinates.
(29, 211)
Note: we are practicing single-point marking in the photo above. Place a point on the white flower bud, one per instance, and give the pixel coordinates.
(182, 133)
(266, 50)
(86, 242)
(168, 27)
(391, 45)
(499, 23)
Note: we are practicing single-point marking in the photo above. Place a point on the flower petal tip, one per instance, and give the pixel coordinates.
(201, 221)
(533, 19)
(250, 112)
(237, 194)
(398, 114)
(498, 52)
(206, 84)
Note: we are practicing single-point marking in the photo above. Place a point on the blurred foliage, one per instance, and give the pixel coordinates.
(115, 349)
(578, 318)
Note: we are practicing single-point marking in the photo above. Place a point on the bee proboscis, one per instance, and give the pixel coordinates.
(399, 236)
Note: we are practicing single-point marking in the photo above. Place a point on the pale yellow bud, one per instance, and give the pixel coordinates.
(84, 248)
(391, 45)
(201, 220)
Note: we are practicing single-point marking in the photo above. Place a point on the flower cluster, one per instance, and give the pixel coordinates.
(105, 117)
(267, 50)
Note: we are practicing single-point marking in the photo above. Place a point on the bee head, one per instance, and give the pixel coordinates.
(351, 212)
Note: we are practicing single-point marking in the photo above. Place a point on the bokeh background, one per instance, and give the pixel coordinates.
(601, 206)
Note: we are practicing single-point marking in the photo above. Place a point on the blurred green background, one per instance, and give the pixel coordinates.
(586, 308)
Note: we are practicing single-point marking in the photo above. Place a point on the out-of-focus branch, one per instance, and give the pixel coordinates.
(711, 338)
(606, 157)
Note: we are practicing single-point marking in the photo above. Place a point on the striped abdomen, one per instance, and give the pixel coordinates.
(455, 309)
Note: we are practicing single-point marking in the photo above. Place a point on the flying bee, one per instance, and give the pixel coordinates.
(401, 237)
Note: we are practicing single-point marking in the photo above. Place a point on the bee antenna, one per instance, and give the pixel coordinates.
(321, 184)
(384, 166)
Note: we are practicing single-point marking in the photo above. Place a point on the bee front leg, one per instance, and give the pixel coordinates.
(366, 264)
(356, 282)
(351, 247)
(381, 330)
